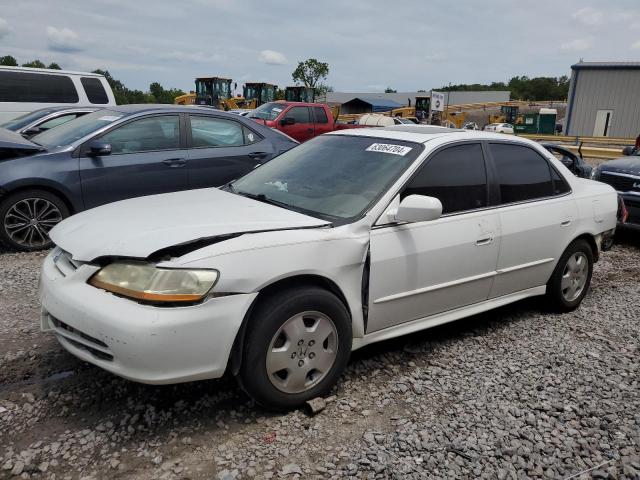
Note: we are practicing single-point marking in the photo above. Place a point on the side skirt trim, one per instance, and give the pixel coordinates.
(445, 317)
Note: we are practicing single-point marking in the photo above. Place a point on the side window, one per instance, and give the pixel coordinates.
(300, 114)
(215, 132)
(319, 115)
(54, 122)
(456, 176)
(560, 185)
(94, 90)
(37, 88)
(522, 173)
(144, 135)
(250, 136)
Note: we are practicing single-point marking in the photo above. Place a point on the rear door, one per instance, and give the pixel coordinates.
(146, 158)
(302, 128)
(221, 150)
(537, 215)
(321, 121)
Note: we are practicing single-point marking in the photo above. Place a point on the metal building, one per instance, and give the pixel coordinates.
(368, 105)
(405, 98)
(604, 99)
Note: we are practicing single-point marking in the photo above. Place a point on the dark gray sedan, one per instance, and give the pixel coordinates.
(122, 152)
(38, 121)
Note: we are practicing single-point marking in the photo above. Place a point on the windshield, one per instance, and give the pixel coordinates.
(268, 111)
(333, 177)
(69, 132)
(24, 120)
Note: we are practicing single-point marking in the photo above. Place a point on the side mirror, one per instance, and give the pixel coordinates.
(628, 150)
(99, 149)
(288, 121)
(418, 208)
(30, 132)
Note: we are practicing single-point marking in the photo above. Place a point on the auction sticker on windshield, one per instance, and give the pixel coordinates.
(389, 148)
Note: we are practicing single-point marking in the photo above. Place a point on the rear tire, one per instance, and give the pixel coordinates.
(571, 278)
(26, 218)
(297, 345)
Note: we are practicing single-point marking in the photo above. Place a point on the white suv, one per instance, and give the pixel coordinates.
(351, 238)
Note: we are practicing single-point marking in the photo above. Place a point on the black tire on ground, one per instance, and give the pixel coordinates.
(266, 321)
(556, 292)
(52, 210)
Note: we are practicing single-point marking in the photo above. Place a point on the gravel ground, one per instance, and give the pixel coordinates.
(513, 393)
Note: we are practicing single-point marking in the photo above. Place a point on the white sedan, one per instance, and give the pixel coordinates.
(351, 238)
(499, 128)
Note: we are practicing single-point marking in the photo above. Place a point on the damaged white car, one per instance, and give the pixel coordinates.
(348, 239)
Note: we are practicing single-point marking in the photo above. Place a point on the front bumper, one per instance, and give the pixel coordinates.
(632, 203)
(156, 345)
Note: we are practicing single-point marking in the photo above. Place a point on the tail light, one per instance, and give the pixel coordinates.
(623, 213)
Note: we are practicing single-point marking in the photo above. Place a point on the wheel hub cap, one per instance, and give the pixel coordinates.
(302, 352)
(574, 277)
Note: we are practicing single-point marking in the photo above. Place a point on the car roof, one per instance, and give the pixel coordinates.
(426, 133)
(135, 108)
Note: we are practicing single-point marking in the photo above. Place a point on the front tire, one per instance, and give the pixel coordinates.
(571, 278)
(26, 218)
(298, 343)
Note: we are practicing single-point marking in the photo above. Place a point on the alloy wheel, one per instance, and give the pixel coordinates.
(302, 352)
(28, 222)
(574, 276)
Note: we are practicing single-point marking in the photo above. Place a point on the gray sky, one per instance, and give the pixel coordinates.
(405, 44)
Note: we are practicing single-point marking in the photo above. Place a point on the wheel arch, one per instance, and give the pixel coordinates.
(48, 188)
(591, 240)
(309, 280)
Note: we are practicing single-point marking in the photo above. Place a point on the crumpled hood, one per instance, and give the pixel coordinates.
(15, 141)
(141, 226)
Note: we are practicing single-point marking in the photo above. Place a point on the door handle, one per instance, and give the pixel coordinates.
(175, 162)
(258, 154)
(484, 241)
(565, 223)
(310, 130)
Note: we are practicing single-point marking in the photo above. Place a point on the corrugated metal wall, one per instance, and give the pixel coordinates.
(601, 89)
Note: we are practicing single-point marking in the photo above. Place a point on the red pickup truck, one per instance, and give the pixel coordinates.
(301, 121)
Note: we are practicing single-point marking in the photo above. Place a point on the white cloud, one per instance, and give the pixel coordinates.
(271, 57)
(4, 28)
(636, 45)
(195, 57)
(63, 40)
(435, 57)
(576, 45)
(588, 16)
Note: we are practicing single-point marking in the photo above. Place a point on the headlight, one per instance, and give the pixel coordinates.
(148, 283)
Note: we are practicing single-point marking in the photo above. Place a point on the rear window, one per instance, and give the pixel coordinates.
(94, 90)
(320, 115)
(36, 88)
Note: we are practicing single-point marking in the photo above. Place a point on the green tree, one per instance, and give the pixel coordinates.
(321, 89)
(310, 72)
(54, 66)
(8, 61)
(390, 90)
(164, 96)
(34, 64)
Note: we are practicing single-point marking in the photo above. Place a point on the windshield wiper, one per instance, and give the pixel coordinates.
(261, 197)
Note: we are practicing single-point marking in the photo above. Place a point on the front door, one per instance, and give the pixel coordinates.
(145, 159)
(221, 150)
(603, 123)
(425, 268)
(302, 128)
